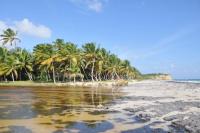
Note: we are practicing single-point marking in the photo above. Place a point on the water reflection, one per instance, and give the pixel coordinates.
(87, 127)
(54, 109)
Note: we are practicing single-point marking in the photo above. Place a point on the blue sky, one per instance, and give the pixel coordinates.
(155, 35)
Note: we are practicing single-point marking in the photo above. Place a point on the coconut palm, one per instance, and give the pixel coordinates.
(90, 54)
(4, 53)
(9, 37)
(101, 62)
(9, 67)
(114, 66)
(60, 59)
(126, 69)
(74, 72)
(24, 59)
(46, 56)
(59, 44)
(71, 54)
(69, 57)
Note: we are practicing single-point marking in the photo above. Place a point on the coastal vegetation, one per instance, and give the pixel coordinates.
(156, 76)
(60, 61)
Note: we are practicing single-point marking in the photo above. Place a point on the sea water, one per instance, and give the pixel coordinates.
(188, 80)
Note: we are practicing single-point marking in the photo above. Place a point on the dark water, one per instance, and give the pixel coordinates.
(56, 110)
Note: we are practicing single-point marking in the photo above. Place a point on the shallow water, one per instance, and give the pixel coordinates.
(57, 110)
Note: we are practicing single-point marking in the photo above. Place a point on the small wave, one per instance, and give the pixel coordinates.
(188, 81)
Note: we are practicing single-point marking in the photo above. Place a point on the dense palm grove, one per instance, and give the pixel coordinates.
(60, 61)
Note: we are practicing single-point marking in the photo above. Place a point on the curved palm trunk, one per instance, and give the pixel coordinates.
(96, 77)
(112, 75)
(29, 75)
(117, 75)
(92, 72)
(74, 79)
(13, 78)
(84, 72)
(54, 77)
(99, 75)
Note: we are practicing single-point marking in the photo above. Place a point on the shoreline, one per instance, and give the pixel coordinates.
(90, 84)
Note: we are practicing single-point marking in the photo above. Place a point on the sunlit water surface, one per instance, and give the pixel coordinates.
(58, 110)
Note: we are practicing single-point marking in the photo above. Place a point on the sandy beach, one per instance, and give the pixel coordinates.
(106, 84)
(162, 106)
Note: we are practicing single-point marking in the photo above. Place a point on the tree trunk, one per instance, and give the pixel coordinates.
(47, 77)
(13, 78)
(54, 77)
(29, 76)
(92, 72)
(63, 78)
(117, 75)
(84, 72)
(112, 76)
(95, 76)
(74, 79)
(99, 76)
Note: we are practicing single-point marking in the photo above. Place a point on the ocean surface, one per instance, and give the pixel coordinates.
(188, 80)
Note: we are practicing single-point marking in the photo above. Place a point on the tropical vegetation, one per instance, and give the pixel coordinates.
(60, 61)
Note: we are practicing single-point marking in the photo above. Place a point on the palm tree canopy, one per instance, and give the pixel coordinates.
(9, 37)
(52, 61)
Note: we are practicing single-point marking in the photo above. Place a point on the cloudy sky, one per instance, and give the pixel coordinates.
(155, 35)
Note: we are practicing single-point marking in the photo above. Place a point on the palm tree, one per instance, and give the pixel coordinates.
(46, 56)
(9, 67)
(59, 44)
(90, 54)
(102, 60)
(52, 61)
(114, 66)
(74, 72)
(24, 59)
(126, 69)
(9, 37)
(70, 53)
(69, 57)
(3, 54)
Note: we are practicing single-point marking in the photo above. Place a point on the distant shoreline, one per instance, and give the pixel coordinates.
(89, 84)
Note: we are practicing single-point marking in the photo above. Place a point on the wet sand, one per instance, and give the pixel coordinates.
(162, 106)
(85, 84)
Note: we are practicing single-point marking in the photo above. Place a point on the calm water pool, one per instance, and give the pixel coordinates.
(58, 110)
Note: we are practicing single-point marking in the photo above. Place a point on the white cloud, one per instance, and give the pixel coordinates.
(26, 27)
(94, 5)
